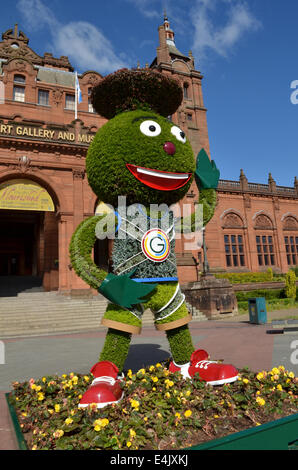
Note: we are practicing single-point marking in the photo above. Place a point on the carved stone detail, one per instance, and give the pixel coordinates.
(290, 223)
(232, 221)
(263, 222)
(78, 173)
(57, 96)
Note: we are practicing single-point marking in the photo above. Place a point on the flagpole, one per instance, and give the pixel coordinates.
(76, 96)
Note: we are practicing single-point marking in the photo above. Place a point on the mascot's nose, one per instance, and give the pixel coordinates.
(170, 148)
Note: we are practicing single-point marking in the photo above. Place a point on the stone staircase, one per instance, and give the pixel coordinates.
(35, 313)
(197, 315)
(42, 313)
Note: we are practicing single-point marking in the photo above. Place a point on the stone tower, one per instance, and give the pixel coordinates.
(191, 115)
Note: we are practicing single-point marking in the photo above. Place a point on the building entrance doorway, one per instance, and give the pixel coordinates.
(28, 237)
(18, 234)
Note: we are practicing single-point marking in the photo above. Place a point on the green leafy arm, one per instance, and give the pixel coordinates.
(120, 290)
(80, 249)
(207, 176)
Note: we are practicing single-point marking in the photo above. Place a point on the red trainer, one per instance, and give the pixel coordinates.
(105, 388)
(214, 373)
(198, 355)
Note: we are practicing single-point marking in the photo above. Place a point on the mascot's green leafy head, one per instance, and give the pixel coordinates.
(139, 153)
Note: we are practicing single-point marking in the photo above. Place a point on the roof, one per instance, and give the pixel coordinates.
(174, 51)
(56, 77)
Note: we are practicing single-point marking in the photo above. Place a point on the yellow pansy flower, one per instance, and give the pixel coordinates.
(59, 433)
(187, 413)
(57, 408)
(40, 396)
(68, 421)
(260, 401)
(128, 444)
(154, 379)
(134, 403)
(132, 433)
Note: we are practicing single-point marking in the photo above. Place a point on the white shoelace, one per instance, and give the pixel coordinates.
(107, 379)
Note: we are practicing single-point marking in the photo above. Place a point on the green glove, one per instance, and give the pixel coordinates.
(123, 291)
(206, 174)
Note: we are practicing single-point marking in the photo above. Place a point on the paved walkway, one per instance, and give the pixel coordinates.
(233, 339)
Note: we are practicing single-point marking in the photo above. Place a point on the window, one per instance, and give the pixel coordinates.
(19, 79)
(43, 97)
(185, 90)
(234, 250)
(265, 250)
(70, 102)
(19, 93)
(90, 105)
(189, 117)
(291, 244)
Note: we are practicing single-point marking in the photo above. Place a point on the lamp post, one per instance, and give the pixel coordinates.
(206, 269)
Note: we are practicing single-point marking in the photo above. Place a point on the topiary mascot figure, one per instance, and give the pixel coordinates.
(143, 157)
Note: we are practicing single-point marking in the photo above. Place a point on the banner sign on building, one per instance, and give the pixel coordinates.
(45, 134)
(25, 195)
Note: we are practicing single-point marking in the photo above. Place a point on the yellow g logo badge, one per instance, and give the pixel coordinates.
(156, 245)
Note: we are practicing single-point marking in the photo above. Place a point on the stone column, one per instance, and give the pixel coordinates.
(65, 229)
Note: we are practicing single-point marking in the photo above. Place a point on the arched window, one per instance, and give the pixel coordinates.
(266, 251)
(290, 229)
(185, 90)
(19, 88)
(234, 241)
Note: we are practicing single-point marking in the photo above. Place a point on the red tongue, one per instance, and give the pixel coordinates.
(158, 182)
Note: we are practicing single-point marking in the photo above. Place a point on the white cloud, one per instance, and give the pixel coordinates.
(82, 42)
(146, 7)
(211, 33)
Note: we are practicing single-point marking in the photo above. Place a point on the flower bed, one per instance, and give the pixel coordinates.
(159, 410)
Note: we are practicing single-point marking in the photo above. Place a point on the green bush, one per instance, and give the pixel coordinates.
(295, 269)
(270, 273)
(243, 278)
(272, 304)
(290, 289)
(267, 293)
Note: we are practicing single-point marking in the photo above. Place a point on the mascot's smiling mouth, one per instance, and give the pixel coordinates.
(157, 179)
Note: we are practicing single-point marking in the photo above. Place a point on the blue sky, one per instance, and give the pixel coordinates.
(246, 50)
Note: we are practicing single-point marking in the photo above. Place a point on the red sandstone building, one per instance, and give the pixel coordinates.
(44, 193)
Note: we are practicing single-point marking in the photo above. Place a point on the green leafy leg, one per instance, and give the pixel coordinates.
(181, 344)
(116, 347)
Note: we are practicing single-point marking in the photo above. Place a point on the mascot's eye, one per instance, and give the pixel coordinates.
(179, 134)
(150, 128)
